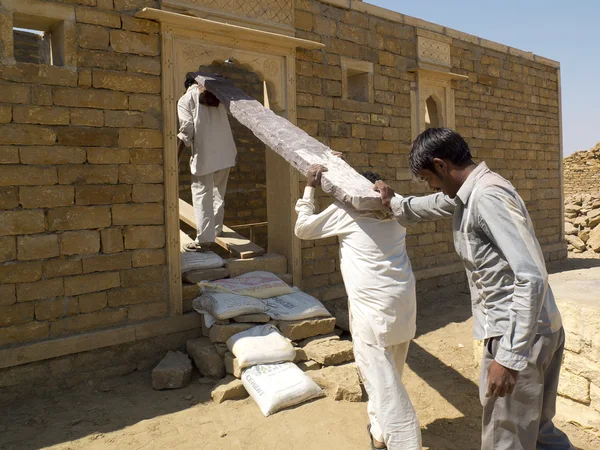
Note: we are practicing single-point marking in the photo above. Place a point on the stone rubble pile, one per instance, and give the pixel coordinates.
(581, 172)
(582, 222)
(319, 351)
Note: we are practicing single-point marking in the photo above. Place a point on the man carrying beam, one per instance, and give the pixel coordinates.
(382, 304)
(513, 306)
(204, 127)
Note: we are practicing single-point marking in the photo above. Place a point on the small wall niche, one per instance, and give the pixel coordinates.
(357, 80)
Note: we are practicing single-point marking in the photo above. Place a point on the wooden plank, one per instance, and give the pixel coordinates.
(234, 243)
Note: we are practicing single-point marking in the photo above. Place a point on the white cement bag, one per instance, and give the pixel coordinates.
(254, 284)
(200, 260)
(262, 344)
(295, 306)
(222, 305)
(277, 386)
(209, 320)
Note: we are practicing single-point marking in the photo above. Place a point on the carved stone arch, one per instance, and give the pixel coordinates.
(434, 111)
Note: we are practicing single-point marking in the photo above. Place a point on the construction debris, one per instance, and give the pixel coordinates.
(339, 382)
(206, 357)
(229, 388)
(301, 329)
(330, 352)
(582, 222)
(173, 372)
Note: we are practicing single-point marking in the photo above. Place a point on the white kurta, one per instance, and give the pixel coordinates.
(206, 130)
(377, 273)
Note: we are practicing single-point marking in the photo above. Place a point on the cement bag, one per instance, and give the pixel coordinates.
(200, 260)
(295, 306)
(277, 386)
(209, 320)
(262, 344)
(222, 305)
(253, 284)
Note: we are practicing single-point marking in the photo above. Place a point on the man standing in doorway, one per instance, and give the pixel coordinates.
(382, 303)
(513, 306)
(204, 127)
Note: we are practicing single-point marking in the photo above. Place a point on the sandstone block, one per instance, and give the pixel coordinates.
(9, 155)
(85, 78)
(80, 242)
(331, 352)
(148, 193)
(79, 218)
(92, 302)
(593, 242)
(46, 196)
(270, 262)
(252, 318)
(132, 174)
(62, 267)
(143, 64)
(132, 119)
(102, 195)
(196, 276)
(14, 93)
(28, 332)
(112, 240)
(307, 366)
(301, 329)
(190, 291)
(40, 289)
(39, 74)
(9, 197)
(135, 43)
(140, 25)
(90, 98)
(150, 293)
(85, 117)
(582, 366)
(145, 102)
(593, 218)
(146, 156)
(85, 322)
(134, 5)
(45, 115)
(27, 175)
(231, 365)
(574, 387)
(229, 388)
(92, 37)
(147, 311)
(6, 114)
(88, 137)
(140, 138)
(22, 222)
(42, 95)
(144, 237)
(8, 248)
(7, 294)
(108, 155)
(339, 382)
(16, 314)
(84, 284)
(95, 17)
(53, 309)
(37, 247)
(173, 372)
(570, 229)
(101, 60)
(118, 81)
(220, 333)
(105, 263)
(142, 276)
(575, 242)
(52, 155)
(584, 235)
(138, 214)
(205, 356)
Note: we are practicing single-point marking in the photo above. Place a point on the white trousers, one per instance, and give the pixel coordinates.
(391, 413)
(208, 197)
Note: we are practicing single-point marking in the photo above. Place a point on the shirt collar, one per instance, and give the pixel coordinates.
(467, 188)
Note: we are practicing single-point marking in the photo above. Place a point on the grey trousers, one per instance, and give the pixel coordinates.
(208, 198)
(523, 420)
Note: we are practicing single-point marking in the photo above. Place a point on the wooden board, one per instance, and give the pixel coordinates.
(236, 244)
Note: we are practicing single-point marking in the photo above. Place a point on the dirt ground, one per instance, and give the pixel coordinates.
(125, 413)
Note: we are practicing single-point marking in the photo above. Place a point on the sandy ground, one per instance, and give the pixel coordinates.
(125, 413)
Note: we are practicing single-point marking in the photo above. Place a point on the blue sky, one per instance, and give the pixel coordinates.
(566, 31)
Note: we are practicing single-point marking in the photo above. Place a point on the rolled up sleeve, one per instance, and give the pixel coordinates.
(412, 209)
(186, 121)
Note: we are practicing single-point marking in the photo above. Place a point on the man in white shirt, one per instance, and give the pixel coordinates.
(382, 302)
(204, 127)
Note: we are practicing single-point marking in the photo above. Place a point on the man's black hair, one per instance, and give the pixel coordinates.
(371, 176)
(442, 143)
(189, 80)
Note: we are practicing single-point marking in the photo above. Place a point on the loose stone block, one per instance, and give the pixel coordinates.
(37, 247)
(339, 309)
(221, 333)
(252, 318)
(301, 329)
(231, 365)
(173, 372)
(307, 366)
(229, 388)
(205, 356)
(294, 145)
(196, 276)
(46, 196)
(330, 352)
(22, 222)
(339, 382)
(40, 289)
(575, 242)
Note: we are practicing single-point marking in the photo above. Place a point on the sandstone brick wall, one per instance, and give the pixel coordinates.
(246, 198)
(81, 182)
(31, 47)
(507, 110)
(582, 172)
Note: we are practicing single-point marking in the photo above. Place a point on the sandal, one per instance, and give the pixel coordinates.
(372, 440)
(193, 247)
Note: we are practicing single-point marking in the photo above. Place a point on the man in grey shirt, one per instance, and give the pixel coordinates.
(513, 306)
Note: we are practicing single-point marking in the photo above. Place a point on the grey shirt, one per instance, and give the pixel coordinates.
(495, 238)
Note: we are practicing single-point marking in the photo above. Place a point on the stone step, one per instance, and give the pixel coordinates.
(270, 262)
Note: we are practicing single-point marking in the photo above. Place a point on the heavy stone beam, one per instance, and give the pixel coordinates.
(298, 148)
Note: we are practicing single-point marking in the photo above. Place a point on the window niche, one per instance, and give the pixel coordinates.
(357, 80)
